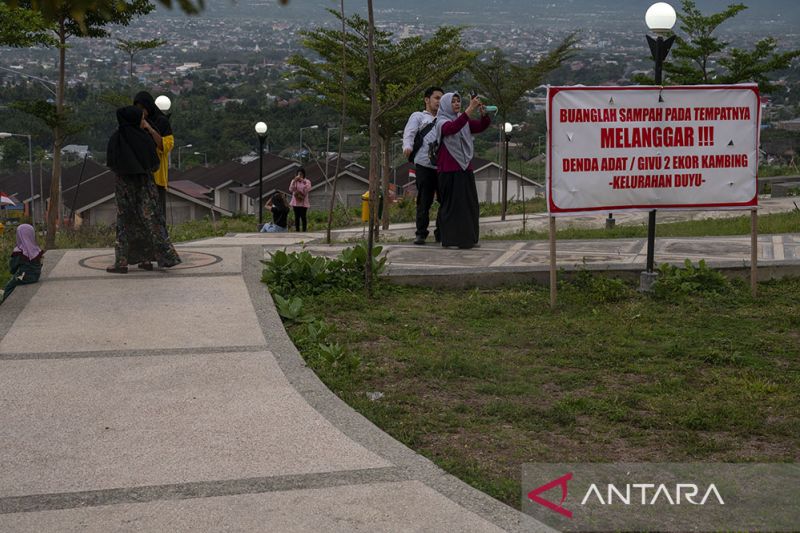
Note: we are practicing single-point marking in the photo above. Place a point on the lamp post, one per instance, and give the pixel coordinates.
(205, 157)
(314, 127)
(507, 127)
(261, 132)
(5, 135)
(179, 153)
(660, 19)
(163, 103)
(327, 152)
(395, 144)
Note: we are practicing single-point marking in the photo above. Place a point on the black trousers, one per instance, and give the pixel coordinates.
(427, 189)
(300, 214)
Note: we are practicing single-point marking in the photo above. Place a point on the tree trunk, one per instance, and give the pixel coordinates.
(341, 126)
(54, 208)
(385, 142)
(373, 147)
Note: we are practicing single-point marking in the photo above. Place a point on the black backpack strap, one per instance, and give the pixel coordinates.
(419, 138)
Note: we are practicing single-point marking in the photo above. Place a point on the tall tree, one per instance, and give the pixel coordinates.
(403, 69)
(505, 83)
(132, 47)
(697, 50)
(63, 24)
(342, 118)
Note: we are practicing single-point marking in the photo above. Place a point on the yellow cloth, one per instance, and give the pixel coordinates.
(161, 175)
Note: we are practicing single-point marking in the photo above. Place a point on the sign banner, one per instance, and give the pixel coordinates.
(642, 148)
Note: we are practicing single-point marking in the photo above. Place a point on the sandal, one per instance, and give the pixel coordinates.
(117, 269)
(146, 266)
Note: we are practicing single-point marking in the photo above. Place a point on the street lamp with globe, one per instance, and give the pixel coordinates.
(164, 104)
(261, 132)
(660, 19)
(507, 128)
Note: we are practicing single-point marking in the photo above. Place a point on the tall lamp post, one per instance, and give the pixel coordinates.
(179, 153)
(660, 19)
(314, 127)
(5, 135)
(507, 127)
(164, 104)
(327, 153)
(261, 131)
(205, 157)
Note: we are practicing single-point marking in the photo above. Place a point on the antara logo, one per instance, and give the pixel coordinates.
(681, 494)
(562, 481)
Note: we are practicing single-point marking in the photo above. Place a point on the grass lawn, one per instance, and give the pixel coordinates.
(788, 222)
(482, 381)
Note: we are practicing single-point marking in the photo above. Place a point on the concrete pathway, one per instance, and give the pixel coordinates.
(174, 401)
(539, 221)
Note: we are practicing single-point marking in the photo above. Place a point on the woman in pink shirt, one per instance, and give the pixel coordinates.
(300, 187)
(459, 210)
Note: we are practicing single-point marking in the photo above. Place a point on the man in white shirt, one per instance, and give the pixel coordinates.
(416, 137)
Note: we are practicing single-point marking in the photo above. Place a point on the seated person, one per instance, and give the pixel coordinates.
(280, 213)
(25, 264)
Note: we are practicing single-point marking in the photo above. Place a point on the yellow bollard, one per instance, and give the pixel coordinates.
(365, 207)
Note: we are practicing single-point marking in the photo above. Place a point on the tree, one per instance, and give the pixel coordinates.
(132, 48)
(13, 154)
(698, 52)
(342, 118)
(504, 83)
(62, 24)
(403, 69)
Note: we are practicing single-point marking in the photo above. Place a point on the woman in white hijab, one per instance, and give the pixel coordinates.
(459, 211)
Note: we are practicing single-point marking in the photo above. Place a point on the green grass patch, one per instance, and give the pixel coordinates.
(482, 381)
(774, 223)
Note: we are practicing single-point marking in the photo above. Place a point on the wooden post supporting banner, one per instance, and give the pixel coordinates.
(753, 252)
(553, 287)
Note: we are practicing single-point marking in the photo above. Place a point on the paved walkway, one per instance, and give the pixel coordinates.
(539, 221)
(174, 401)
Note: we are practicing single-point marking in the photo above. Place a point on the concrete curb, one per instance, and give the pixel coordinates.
(358, 428)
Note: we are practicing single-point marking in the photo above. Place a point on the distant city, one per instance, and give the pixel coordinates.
(233, 45)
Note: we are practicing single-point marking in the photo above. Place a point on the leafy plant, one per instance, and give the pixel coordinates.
(333, 358)
(301, 273)
(291, 309)
(600, 288)
(675, 281)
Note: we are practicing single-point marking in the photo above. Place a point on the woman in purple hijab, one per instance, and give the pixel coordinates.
(26, 260)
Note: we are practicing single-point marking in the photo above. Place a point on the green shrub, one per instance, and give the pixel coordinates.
(331, 357)
(291, 309)
(596, 287)
(600, 288)
(675, 282)
(301, 273)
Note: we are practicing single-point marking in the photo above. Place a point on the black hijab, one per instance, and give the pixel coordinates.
(155, 117)
(131, 150)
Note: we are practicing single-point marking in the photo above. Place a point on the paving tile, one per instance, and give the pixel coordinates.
(125, 313)
(113, 422)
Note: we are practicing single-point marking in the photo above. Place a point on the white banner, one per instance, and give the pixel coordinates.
(642, 148)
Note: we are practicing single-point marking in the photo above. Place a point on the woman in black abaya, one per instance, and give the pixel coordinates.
(141, 229)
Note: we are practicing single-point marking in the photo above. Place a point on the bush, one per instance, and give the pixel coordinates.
(600, 288)
(301, 273)
(675, 282)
